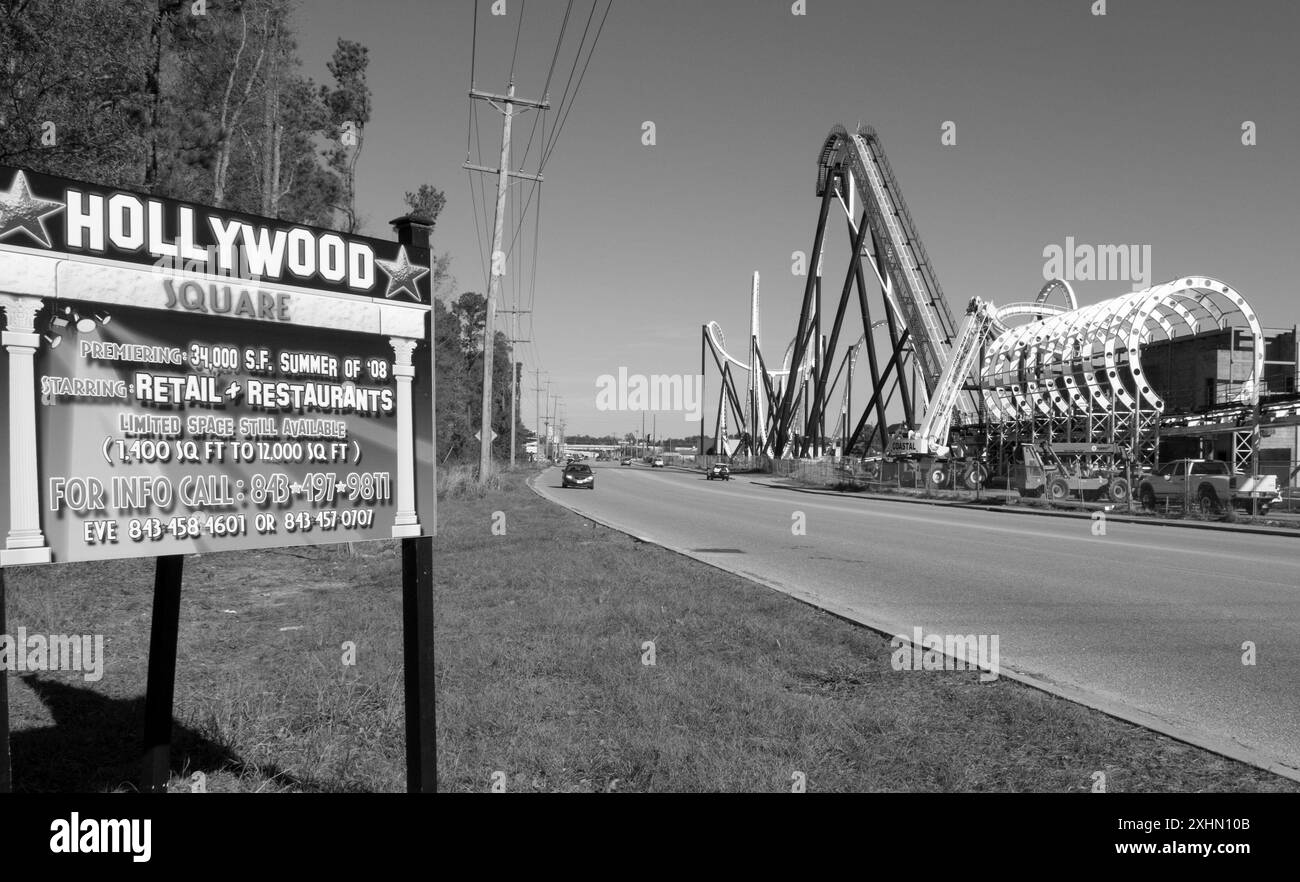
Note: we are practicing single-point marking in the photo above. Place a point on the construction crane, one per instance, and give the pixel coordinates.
(930, 438)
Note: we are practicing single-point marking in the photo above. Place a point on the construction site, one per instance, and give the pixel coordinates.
(1093, 396)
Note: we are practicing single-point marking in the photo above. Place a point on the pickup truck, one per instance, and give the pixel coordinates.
(1210, 485)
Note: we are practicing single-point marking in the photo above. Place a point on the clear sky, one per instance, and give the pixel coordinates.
(1116, 129)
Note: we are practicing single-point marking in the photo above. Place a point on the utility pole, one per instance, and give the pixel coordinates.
(514, 407)
(514, 381)
(704, 338)
(537, 412)
(548, 423)
(559, 418)
(547, 399)
(551, 411)
(506, 105)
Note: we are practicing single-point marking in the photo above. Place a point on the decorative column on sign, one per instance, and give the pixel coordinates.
(407, 522)
(25, 543)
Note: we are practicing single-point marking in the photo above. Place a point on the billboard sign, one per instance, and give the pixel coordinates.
(177, 378)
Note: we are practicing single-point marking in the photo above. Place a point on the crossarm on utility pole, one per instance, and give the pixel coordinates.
(509, 99)
(496, 171)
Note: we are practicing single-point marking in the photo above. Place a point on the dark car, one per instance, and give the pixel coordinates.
(719, 470)
(578, 474)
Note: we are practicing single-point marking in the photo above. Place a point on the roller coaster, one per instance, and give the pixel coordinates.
(1043, 371)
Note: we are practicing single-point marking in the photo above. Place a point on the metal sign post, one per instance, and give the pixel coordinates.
(6, 776)
(161, 685)
(417, 592)
(417, 652)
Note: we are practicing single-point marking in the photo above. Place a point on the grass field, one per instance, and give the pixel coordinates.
(541, 680)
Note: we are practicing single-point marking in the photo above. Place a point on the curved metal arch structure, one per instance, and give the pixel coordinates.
(1098, 347)
(1077, 374)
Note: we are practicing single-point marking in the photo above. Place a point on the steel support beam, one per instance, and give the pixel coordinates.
(787, 408)
(867, 324)
(769, 424)
(894, 338)
(875, 393)
(855, 267)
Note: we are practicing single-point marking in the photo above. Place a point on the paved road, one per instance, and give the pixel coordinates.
(1146, 622)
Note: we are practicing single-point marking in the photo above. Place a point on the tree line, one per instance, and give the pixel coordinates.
(206, 101)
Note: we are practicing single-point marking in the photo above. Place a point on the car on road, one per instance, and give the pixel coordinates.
(578, 474)
(627, 460)
(658, 463)
(720, 471)
(1210, 485)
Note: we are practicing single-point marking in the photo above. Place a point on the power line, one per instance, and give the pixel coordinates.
(515, 237)
(473, 50)
(578, 55)
(541, 117)
(559, 42)
(555, 134)
(518, 30)
(519, 215)
(473, 136)
(537, 232)
(533, 131)
(555, 56)
(473, 198)
(471, 126)
(514, 274)
(554, 137)
(534, 351)
(487, 232)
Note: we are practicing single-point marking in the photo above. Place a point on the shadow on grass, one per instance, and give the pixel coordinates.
(96, 744)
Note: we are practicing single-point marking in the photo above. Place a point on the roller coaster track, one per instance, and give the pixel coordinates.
(909, 275)
(1048, 368)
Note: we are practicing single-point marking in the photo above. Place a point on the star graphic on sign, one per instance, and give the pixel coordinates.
(402, 275)
(20, 210)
